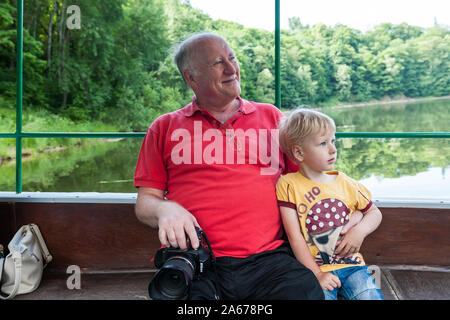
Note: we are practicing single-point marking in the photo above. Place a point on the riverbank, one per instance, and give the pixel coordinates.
(383, 102)
(43, 121)
(37, 121)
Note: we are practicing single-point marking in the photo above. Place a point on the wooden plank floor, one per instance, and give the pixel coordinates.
(395, 285)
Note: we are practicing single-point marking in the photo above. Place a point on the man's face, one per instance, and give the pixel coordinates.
(214, 71)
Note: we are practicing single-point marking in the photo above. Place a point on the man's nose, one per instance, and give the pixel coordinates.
(231, 67)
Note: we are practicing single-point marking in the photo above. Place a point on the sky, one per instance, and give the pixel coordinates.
(362, 15)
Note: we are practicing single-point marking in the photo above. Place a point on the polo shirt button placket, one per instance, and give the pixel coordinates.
(234, 138)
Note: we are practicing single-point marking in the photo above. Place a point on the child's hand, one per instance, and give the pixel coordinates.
(355, 218)
(328, 281)
(350, 243)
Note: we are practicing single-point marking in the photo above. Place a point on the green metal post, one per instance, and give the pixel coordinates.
(277, 55)
(19, 74)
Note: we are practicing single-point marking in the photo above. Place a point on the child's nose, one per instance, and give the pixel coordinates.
(333, 148)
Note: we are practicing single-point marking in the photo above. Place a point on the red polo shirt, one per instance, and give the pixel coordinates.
(224, 174)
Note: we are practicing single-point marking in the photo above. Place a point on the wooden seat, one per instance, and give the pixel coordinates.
(114, 250)
(395, 285)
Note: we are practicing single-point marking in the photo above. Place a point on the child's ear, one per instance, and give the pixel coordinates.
(298, 153)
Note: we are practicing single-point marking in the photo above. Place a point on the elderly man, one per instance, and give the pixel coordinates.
(214, 164)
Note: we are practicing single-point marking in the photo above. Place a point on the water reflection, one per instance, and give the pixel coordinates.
(424, 116)
(433, 183)
(389, 167)
(397, 167)
(95, 166)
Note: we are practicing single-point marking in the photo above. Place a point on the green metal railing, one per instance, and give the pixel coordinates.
(19, 134)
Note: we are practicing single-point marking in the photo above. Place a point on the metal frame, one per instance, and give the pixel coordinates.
(130, 198)
(19, 134)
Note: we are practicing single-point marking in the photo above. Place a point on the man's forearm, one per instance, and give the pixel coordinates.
(172, 220)
(148, 205)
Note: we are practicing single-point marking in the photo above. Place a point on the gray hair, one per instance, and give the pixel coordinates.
(183, 53)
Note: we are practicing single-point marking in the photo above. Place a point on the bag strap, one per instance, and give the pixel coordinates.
(17, 258)
(45, 253)
(2, 262)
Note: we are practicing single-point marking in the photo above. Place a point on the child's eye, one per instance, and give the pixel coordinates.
(333, 141)
(323, 144)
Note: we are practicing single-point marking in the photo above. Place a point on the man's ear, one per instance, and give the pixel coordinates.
(189, 78)
(297, 153)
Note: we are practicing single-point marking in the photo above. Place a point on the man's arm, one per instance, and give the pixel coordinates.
(172, 220)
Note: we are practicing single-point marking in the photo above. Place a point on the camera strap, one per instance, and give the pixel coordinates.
(214, 283)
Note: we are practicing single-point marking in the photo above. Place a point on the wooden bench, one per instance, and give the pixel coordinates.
(100, 234)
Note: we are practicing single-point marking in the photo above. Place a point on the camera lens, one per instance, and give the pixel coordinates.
(172, 280)
(172, 284)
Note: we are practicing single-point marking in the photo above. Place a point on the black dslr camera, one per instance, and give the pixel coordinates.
(177, 268)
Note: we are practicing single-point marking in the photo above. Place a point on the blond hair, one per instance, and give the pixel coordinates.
(299, 124)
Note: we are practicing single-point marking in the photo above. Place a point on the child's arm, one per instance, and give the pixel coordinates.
(353, 239)
(355, 218)
(328, 281)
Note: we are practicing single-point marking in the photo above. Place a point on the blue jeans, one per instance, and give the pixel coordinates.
(356, 284)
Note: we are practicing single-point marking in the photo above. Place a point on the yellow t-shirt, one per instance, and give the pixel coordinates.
(323, 209)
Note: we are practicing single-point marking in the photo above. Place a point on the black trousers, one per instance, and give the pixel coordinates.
(270, 275)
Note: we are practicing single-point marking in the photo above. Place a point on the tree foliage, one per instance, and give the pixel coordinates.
(117, 68)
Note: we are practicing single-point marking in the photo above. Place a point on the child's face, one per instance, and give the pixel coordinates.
(318, 151)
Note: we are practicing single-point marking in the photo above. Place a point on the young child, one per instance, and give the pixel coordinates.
(316, 203)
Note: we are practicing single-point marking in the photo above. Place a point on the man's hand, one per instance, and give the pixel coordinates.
(173, 221)
(174, 224)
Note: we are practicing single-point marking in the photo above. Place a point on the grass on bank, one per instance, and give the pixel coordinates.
(43, 121)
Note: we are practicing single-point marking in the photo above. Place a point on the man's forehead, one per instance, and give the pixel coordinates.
(213, 42)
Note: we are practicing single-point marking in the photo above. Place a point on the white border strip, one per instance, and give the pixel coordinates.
(412, 203)
(130, 198)
(68, 197)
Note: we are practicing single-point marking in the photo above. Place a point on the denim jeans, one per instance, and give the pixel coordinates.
(356, 284)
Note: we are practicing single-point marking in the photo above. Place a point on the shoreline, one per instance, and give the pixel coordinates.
(27, 154)
(382, 102)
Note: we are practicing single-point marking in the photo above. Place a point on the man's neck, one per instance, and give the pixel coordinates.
(221, 112)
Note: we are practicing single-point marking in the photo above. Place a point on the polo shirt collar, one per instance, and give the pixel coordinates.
(193, 107)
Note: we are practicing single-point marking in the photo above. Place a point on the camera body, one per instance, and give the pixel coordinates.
(177, 268)
(199, 258)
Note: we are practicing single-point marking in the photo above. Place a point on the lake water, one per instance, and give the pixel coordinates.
(405, 168)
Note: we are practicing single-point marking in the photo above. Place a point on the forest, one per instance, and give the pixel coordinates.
(116, 67)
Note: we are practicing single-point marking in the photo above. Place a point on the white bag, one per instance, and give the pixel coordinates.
(21, 270)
